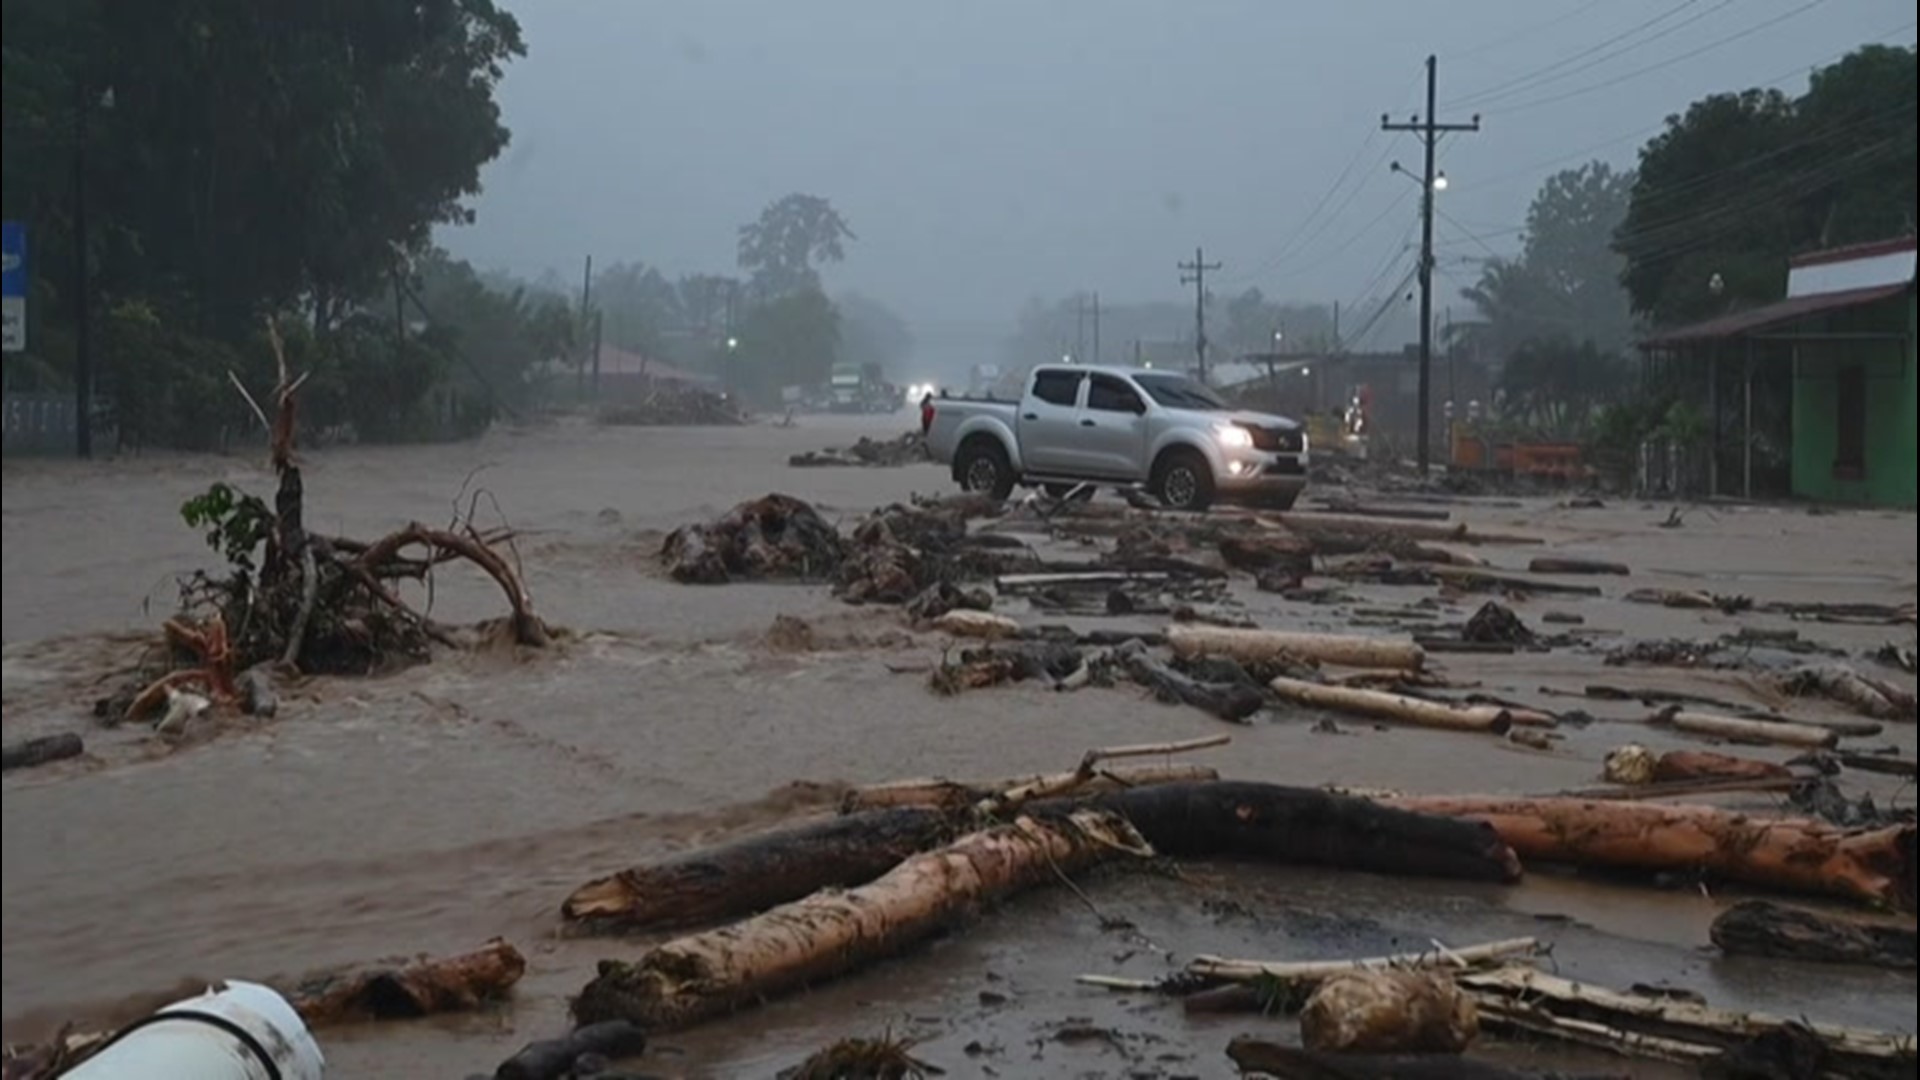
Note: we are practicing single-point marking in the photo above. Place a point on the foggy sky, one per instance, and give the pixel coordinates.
(987, 151)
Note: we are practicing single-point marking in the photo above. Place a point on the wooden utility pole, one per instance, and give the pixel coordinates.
(586, 305)
(1429, 131)
(1096, 327)
(1195, 274)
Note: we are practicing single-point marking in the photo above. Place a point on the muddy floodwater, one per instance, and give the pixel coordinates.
(433, 809)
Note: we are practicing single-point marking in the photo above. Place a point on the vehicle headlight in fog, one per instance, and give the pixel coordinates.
(1234, 437)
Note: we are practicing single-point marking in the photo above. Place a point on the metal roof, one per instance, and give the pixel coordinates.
(1743, 323)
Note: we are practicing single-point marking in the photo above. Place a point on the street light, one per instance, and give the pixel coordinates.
(733, 343)
(1439, 178)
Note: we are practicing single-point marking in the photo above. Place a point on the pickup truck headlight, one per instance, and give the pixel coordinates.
(1233, 436)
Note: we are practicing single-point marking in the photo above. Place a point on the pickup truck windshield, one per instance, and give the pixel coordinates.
(1180, 392)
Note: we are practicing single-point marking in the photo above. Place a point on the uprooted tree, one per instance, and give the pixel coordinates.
(303, 602)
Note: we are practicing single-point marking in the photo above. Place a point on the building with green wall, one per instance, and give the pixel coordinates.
(1835, 361)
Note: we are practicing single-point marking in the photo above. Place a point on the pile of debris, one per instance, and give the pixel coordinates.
(297, 601)
(908, 449)
(673, 405)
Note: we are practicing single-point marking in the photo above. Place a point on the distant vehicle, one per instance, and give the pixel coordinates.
(920, 391)
(862, 388)
(1121, 427)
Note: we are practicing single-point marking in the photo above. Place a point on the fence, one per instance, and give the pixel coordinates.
(35, 423)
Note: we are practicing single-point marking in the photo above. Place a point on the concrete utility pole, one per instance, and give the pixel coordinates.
(1195, 274)
(1096, 327)
(1429, 132)
(1080, 326)
(586, 306)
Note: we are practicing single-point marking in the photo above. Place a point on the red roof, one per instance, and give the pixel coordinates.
(1742, 323)
(1871, 249)
(615, 361)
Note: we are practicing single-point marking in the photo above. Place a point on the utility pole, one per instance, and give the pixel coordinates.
(586, 300)
(1429, 131)
(1096, 327)
(82, 287)
(1195, 274)
(1079, 326)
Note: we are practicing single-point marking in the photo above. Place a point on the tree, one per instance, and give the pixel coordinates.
(789, 341)
(1740, 182)
(870, 333)
(1569, 253)
(1252, 320)
(780, 250)
(1555, 386)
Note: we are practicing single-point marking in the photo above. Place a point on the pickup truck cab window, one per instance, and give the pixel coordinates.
(1057, 387)
(1109, 394)
(1180, 392)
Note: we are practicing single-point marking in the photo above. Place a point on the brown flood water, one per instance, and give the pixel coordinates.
(431, 810)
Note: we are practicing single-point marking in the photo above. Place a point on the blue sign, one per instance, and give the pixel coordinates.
(13, 285)
(13, 249)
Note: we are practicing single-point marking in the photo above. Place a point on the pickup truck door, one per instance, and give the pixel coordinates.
(1048, 425)
(1112, 430)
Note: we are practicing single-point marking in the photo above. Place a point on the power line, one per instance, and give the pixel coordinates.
(1596, 61)
(1429, 131)
(1195, 274)
(1667, 63)
(1522, 80)
(1526, 31)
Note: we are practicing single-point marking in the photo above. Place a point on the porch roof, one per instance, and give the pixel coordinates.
(1743, 323)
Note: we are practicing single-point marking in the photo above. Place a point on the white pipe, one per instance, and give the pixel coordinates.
(199, 1038)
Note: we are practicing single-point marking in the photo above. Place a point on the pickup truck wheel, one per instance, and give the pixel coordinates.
(983, 469)
(1184, 481)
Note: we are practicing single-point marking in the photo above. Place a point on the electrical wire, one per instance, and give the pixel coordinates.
(1522, 80)
(1492, 99)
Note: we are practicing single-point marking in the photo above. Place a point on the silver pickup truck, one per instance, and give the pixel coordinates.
(1120, 427)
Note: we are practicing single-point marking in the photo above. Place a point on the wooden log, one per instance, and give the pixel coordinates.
(1784, 732)
(957, 794)
(829, 933)
(1668, 1027)
(1879, 763)
(1759, 928)
(1383, 705)
(1389, 1012)
(1684, 766)
(423, 988)
(1396, 513)
(1475, 580)
(1314, 971)
(756, 872)
(554, 1059)
(977, 624)
(1012, 584)
(1258, 646)
(1256, 552)
(40, 750)
(1791, 854)
(1315, 525)
(1560, 565)
(1233, 702)
(1868, 697)
(1306, 826)
(1263, 1058)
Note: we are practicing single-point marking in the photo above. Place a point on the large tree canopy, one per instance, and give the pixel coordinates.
(1740, 182)
(780, 249)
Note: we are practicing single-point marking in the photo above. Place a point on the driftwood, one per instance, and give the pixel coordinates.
(1758, 928)
(757, 872)
(1398, 513)
(963, 622)
(1866, 696)
(1004, 802)
(1532, 1002)
(829, 933)
(1314, 971)
(951, 795)
(1232, 702)
(1742, 729)
(1469, 579)
(1384, 705)
(1389, 1012)
(1259, 1057)
(1676, 766)
(1259, 646)
(1550, 565)
(1313, 526)
(1877, 763)
(554, 1059)
(41, 750)
(423, 988)
(1791, 854)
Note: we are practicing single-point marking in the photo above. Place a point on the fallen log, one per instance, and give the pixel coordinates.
(1672, 1028)
(1389, 1012)
(1473, 580)
(1257, 646)
(424, 988)
(1396, 513)
(1791, 854)
(40, 750)
(1678, 766)
(1759, 928)
(950, 795)
(1383, 705)
(1868, 697)
(1005, 802)
(977, 624)
(1877, 763)
(1233, 702)
(1313, 971)
(1742, 729)
(829, 933)
(1315, 525)
(554, 1059)
(1306, 826)
(1561, 565)
(756, 872)
(1263, 1058)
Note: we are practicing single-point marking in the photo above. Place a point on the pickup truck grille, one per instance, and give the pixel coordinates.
(1278, 440)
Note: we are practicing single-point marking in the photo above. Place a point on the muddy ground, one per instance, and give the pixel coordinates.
(431, 810)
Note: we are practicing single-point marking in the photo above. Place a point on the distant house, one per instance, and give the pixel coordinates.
(631, 377)
(1840, 349)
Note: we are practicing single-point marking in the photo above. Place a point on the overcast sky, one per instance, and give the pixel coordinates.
(986, 151)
